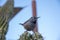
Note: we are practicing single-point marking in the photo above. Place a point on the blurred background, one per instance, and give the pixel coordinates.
(48, 24)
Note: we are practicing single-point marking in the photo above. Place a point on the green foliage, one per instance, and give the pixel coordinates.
(25, 36)
(5, 13)
(28, 36)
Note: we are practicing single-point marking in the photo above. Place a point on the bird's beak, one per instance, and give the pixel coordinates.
(38, 17)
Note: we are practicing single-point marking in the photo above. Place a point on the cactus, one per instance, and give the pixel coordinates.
(7, 12)
(28, 36)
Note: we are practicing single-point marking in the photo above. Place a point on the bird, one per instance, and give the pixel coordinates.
(29, 25)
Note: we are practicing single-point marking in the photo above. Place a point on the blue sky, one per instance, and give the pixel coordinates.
(48, 24)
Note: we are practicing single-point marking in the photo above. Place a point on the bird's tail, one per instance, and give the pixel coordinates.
(20, 23)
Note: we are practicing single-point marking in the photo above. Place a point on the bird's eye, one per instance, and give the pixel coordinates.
(34, 22)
